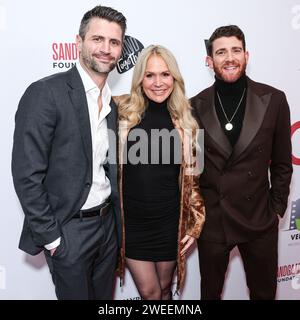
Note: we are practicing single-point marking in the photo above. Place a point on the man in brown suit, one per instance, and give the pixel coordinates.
(247, 171)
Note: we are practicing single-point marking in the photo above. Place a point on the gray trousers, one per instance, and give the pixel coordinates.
(83, 266)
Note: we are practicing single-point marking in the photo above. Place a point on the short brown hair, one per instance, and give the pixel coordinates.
(226, 31)
(102, 12)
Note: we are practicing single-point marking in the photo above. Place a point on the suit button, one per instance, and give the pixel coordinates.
(249, 198)
(259, 148)
(208, 149)
(87, 185)
(250, 174)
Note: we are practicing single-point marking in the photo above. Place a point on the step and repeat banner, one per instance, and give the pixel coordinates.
(38, 39)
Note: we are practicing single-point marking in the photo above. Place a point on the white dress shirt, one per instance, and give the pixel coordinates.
(100, 189)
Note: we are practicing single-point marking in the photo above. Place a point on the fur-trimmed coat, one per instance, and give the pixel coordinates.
(192, 210)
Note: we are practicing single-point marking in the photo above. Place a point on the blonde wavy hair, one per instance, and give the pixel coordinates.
(132, 107)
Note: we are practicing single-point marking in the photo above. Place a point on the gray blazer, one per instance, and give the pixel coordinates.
(52, 157)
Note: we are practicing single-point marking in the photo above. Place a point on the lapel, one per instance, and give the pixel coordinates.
(210, 122)
(256, 107)
(79, 102)
(111, 119)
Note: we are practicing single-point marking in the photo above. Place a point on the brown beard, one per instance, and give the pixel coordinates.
(91, 62)
(220, 75)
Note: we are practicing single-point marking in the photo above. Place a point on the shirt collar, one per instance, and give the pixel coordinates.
(89, 84)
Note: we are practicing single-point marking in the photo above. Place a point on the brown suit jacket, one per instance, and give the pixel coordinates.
(241, 199)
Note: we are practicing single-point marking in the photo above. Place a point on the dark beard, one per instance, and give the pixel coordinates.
(96, 68)
(221, 76)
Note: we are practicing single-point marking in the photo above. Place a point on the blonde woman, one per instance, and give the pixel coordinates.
(162, 208)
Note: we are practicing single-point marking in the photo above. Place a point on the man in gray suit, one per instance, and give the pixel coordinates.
(64, 135)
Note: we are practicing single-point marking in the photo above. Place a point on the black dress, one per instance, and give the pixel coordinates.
(151, 190)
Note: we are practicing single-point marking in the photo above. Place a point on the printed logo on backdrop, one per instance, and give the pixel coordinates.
(294, 223)
(206, 48)
(294, 131)
(295, 216)
(174, 293)
(288, 272)
(64, 55)
(206, 45)
(131, 50)
(134, 298)
(296, 282)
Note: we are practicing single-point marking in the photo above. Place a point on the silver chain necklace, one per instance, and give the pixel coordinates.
(229, 125)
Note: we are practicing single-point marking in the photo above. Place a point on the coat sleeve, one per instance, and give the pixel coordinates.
(196, 209)
(196, 216)
(35, 123)
(281, 161)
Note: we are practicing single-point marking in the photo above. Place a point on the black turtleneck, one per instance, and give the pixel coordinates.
(230, 95)
(157, 178)
(151, 192)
